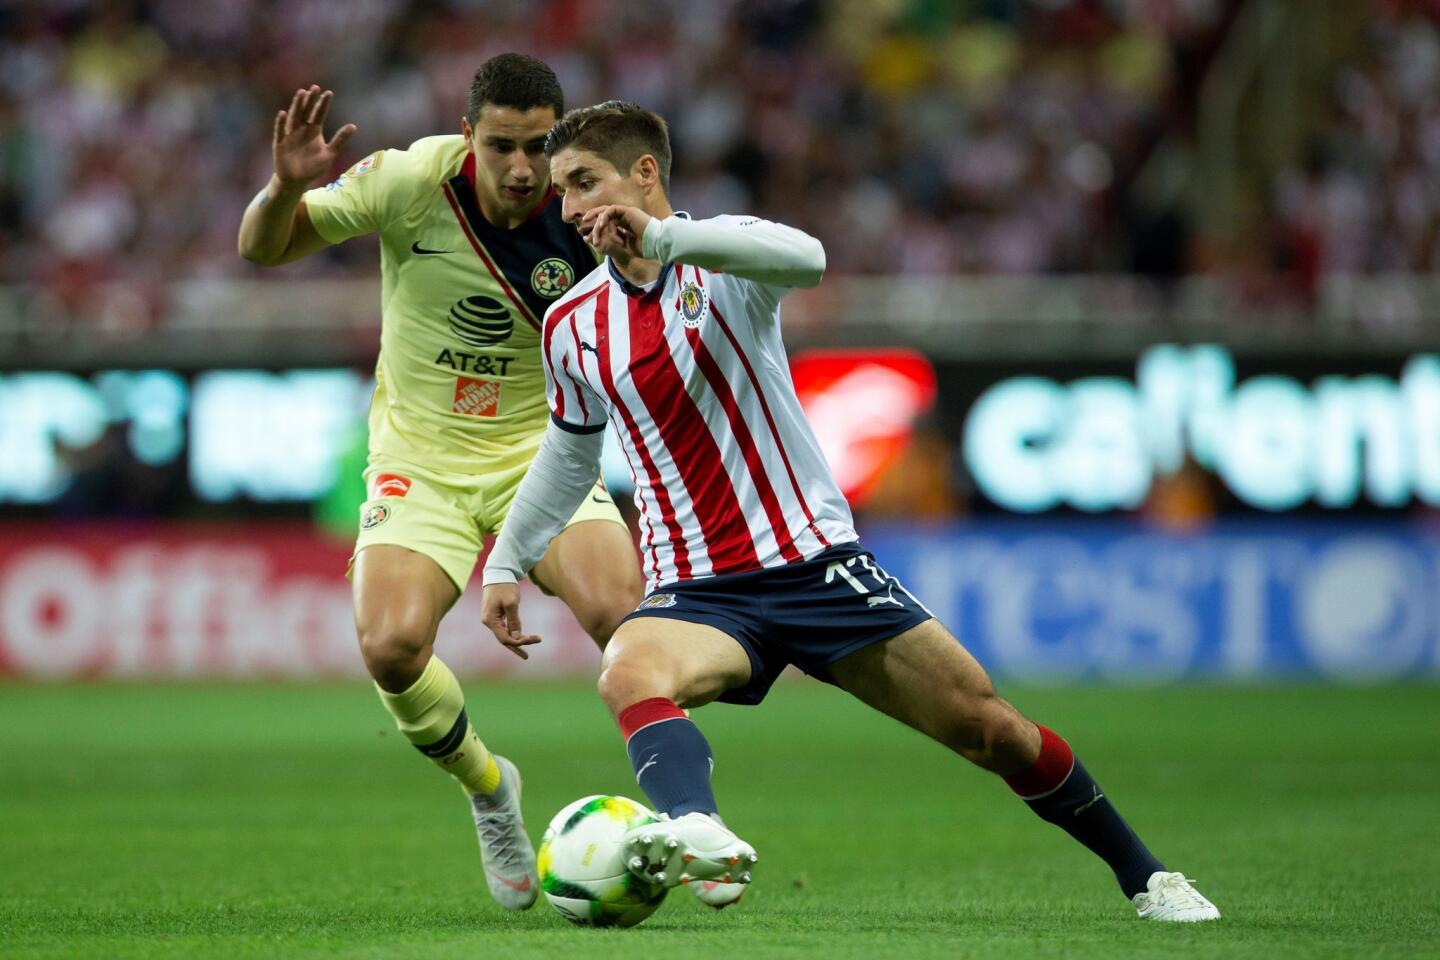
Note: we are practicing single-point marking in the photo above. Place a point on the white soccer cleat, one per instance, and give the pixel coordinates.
(715, 894)
(505, 849)
(1171, 897)
(689, 850)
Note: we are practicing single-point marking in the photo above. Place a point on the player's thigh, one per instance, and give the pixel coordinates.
(593, 568)
(588, 556)
(691, 663)
(924, 678)
(416, 548)
(400, 595)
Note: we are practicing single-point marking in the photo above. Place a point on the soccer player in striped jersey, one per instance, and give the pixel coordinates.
(752, 558)
(472, 252)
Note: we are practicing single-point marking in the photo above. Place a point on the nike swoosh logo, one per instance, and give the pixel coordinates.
(416, 248)
(522, 886)
(648, 764)
(599, 499)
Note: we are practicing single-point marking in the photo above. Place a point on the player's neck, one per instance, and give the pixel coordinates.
(639, 271)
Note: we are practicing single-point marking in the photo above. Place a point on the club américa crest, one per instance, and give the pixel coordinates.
(374, 515)
(552, 277)
(693, 300)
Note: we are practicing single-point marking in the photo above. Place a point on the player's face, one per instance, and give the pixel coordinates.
(586, 180)
(511, 175)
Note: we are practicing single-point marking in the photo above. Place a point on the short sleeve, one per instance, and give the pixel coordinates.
(574, 404)
(359, 201)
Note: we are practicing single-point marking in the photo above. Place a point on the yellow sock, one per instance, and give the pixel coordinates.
(431, 714)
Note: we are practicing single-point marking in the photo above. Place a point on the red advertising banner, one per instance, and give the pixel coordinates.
(862, 405)
(222, 600)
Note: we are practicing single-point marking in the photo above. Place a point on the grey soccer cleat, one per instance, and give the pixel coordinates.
(505, 849)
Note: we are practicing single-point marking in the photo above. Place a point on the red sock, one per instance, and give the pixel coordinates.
(645, 712)
(1050, 769)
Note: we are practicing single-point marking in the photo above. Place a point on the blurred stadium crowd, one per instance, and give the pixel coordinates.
(916, 136)
(1366, 197)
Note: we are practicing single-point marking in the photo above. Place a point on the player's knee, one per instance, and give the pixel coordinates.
(395, 648)
(987, 731)
(627, 680)
(1011, 741)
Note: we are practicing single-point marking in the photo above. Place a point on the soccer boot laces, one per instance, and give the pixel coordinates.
(505, 849)
(1170, 896)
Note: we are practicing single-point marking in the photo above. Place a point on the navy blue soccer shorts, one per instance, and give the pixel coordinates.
(810, 614)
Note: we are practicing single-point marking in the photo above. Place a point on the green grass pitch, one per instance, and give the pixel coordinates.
(291, 821)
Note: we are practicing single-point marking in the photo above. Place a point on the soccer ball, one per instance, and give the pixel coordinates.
(582, 864)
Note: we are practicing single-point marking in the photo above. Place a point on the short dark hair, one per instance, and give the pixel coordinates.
(514, 80)
(617, 130)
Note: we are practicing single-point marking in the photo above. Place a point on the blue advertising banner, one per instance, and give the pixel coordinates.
(1104, 599)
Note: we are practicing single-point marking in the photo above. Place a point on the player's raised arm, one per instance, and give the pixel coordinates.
(560, 477)
(748, 247)
(276, 227)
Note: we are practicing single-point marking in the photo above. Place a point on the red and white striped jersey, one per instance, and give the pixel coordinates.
(691, 373)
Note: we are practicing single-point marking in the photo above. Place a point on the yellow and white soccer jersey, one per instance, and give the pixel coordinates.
(459, 388)
(459, 382)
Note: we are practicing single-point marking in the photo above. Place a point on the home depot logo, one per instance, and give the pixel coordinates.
(477, 398)
(863, 405)
(391, 485)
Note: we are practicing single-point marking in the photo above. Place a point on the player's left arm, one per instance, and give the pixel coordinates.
(560, 477)
(746, 247)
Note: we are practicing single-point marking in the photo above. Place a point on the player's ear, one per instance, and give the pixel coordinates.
(467, 131)
(646, 171)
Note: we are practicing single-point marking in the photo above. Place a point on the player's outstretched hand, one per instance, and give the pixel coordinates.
(299, 146)
(615, 230)
(500, 611)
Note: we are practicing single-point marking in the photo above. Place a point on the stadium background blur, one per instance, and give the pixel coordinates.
(1166, 262)
(1129, 348)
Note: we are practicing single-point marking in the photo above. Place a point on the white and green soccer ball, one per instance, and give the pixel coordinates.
(582, 863)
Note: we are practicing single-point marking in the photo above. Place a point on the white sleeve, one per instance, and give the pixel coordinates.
(746, 247)
(559, 478)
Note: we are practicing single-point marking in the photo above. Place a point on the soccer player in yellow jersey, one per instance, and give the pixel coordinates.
(473, 251)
